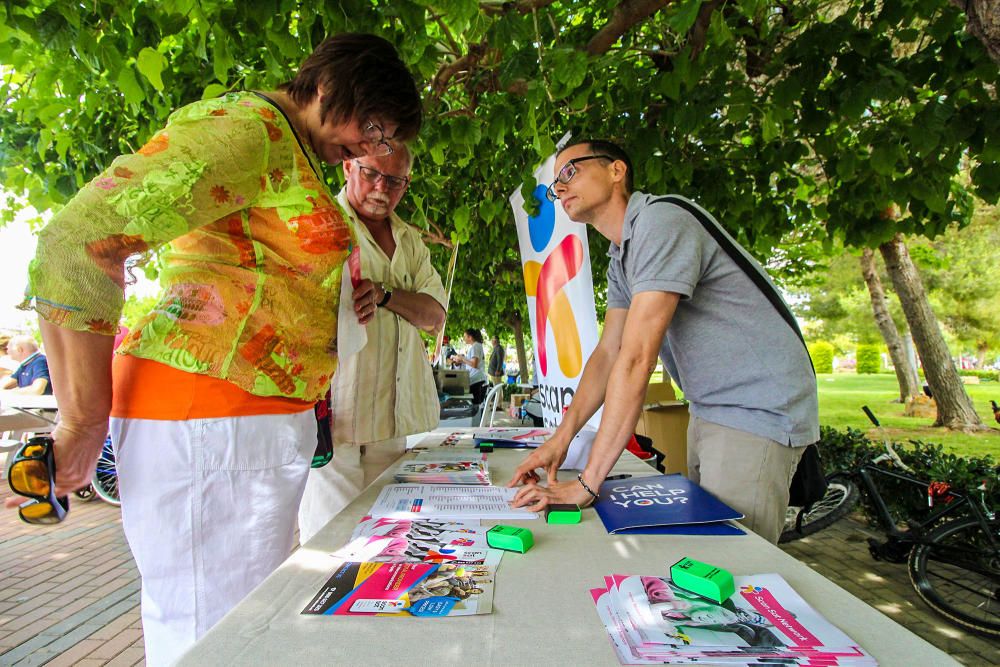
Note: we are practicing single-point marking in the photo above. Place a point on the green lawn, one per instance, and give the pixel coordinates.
(841, 396)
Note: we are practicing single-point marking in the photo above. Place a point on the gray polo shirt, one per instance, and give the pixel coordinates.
(737, 361)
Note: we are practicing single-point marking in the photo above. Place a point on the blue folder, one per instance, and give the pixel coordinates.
(663, 505)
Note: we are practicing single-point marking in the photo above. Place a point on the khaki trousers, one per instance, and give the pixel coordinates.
(334, 486)
(748, 472)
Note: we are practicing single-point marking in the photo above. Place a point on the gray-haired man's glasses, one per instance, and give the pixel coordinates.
(567, 173)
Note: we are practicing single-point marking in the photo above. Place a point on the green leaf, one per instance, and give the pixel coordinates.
(883, 159)
(222, 60)
(460, 217)
(151, 64)
(213, 90)
(770, 128)
(129, 85)
(685, 16)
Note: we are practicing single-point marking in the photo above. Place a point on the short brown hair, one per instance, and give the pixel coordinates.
(607, 148)
(362, 77)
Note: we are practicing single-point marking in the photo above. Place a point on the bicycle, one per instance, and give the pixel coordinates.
(952, 556)
(104, 483)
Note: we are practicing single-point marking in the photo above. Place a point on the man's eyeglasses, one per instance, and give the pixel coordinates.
(567, 173)
(392, 183)
(32, 474)
(375, 140)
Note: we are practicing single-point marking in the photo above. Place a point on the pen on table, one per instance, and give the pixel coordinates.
(622, 476)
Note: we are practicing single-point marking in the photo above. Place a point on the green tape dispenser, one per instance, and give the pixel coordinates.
(510, 538)
(702, 579)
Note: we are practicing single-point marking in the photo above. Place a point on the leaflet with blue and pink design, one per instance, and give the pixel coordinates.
(651, 621)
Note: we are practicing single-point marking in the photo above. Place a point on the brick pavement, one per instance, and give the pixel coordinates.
(70, 593)
(840, 553)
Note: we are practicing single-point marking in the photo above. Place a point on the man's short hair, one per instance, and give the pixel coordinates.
(605, 147)
(25, 342)
(362, 77)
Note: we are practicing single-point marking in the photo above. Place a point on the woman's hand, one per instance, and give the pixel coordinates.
(77, 449)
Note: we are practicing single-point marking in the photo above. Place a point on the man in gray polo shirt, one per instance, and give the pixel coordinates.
(673, 292)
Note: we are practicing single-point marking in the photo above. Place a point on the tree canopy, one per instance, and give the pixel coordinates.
(778, 117)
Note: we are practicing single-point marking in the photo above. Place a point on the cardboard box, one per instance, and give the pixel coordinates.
(517, 399)
(664, 420)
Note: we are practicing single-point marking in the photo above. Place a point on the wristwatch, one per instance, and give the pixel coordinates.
(385, 299)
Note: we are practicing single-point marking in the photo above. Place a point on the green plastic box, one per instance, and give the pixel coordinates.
(562, 513)
(510, 538)
(702, 579)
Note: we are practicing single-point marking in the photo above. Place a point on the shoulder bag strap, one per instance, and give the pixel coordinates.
(716, 232)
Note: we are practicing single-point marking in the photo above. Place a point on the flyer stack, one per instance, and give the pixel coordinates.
(651, 621)
(445, 469)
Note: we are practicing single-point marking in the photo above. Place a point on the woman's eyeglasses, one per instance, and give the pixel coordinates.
(375, 140)
(567, 173)
(392, 183)
(32, 474)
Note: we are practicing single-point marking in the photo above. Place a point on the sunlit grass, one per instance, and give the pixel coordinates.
(841, 396)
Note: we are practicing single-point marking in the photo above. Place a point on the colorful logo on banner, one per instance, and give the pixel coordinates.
(545, 281)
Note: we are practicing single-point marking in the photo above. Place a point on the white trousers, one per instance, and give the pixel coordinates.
(748, 472)
(334, 486)
(208, 508)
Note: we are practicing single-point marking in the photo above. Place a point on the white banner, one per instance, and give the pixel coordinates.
(555, 260)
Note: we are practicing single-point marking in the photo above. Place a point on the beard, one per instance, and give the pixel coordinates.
(377, 204)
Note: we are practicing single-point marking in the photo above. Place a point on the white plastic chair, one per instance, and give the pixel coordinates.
(490, 404)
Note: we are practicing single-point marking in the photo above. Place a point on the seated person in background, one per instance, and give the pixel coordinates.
(32, 375)
(472, 361)
(7, 365)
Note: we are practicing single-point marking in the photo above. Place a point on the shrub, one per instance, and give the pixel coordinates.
(822, 356)
(989, 376)
(845, 450)
(869, 359)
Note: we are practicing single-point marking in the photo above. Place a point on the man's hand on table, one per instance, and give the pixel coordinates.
(536, 498)
(549, 456)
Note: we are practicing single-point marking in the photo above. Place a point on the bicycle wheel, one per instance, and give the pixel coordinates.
(105, 481)
(840, 498)
(957, 573)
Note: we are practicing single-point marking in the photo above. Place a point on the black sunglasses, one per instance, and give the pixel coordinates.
(567, 173)
(32, 474)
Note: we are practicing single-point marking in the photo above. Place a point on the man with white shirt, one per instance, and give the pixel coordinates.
(386, 391)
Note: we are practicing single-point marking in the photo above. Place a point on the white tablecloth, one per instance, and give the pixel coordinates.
(543, 613)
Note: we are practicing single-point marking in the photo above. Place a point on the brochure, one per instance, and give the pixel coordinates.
(445, 468)
(405, 589)
(380, 540)
(512, 437)
(442, 501)
(649, 620)
(641, 503)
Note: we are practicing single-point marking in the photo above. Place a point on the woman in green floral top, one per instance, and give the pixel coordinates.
(211, 408)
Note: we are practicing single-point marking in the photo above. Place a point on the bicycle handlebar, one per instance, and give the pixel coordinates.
(871, 415)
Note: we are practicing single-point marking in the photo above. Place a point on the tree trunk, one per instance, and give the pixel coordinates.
(906, 374)
(954, 408)
(983, 23)
(522, 356)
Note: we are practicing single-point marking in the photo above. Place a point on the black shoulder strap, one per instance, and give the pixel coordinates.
(741, 260)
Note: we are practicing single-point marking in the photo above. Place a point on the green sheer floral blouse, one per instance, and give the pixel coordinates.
(251, 242)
